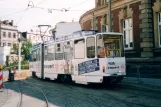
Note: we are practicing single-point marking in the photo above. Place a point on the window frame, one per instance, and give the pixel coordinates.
(4, 43)
(97, 47)
(14, 35)
(94, 48)
(124, 32)
(4, 34)
(9, 44)
(74, 48)
(60, 51)
(9, 34)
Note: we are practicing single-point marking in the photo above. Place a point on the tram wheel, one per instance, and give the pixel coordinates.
(64, 78)
(34, 74)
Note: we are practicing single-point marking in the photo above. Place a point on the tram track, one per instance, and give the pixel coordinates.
(11, 87)
(108, 96)
(29, 89)
(65, 96)
(6, 97)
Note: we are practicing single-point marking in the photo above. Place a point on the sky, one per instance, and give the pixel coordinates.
(27, 18)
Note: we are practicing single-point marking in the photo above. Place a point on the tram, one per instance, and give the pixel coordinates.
(83, 57)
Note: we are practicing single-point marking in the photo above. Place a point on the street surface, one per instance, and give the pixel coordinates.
(37, 93)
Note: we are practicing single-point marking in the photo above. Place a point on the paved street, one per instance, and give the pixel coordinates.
(34, 92)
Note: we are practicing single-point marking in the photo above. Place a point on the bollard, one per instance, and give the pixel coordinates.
(1, 78)
(138, 74)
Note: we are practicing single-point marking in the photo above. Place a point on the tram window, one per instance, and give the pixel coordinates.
(59, 52)
(90, 47)
(79, 49)
(68, 50)
(112, 45)
(45, 53)
(49, 52)
(58, 47)
(38, 55)
(33, 56)
(100, 47)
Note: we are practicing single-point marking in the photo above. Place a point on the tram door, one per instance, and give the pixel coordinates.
(68, 55)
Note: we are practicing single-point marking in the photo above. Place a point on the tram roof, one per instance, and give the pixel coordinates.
(77, 34)
(110, 33)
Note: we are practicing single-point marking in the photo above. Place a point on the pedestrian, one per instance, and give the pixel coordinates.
(12, 73)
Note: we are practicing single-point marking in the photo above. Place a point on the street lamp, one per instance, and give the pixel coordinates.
(19, 52)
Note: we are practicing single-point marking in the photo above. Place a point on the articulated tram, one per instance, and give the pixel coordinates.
(83, 57)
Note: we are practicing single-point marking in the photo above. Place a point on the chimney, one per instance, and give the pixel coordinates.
(11, 22)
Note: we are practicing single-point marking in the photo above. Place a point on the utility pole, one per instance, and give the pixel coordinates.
(42, 48)
(19, 52)
(109, 16)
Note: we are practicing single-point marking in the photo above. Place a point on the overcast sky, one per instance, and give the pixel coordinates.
(25, 20)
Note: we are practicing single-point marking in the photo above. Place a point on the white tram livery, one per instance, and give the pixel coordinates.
(83, 57)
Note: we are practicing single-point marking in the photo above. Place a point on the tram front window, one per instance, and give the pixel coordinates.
(109, 45)
(113, 45)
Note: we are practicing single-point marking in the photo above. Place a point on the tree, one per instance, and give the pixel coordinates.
(15, 48)
(25, 49)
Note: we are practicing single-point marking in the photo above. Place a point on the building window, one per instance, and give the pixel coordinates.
(95, 23)
(90, 47)
(9, 44)
(4, 44)
(14, 35)
(4, 34)
(105, 26)
(106, 1)
(9, 34)
(128, 33)
(159, 27)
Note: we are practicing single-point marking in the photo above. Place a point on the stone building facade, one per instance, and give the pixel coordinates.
(138, 20)
(8, 33)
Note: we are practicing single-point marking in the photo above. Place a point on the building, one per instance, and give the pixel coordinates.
(138, 20)
(13, 58)
(4, 51)
(8, 33)
(66, 28)
(34, 36)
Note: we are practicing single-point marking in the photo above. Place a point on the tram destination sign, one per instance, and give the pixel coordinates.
(88, 66)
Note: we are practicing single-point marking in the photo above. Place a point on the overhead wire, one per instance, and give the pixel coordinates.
(77, 4)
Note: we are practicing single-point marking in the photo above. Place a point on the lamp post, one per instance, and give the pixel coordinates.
(19, 53)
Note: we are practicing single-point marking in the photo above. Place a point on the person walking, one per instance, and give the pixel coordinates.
(12, 73)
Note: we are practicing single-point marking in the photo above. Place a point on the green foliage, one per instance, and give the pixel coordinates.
(15, 49)
(26, 49)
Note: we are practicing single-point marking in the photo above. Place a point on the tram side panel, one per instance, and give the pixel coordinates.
(35, 62)
(53, 61)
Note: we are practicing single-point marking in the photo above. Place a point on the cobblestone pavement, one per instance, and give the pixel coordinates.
(74, 95)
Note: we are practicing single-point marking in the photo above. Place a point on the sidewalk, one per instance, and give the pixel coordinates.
(18, 76)
(148, 83)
